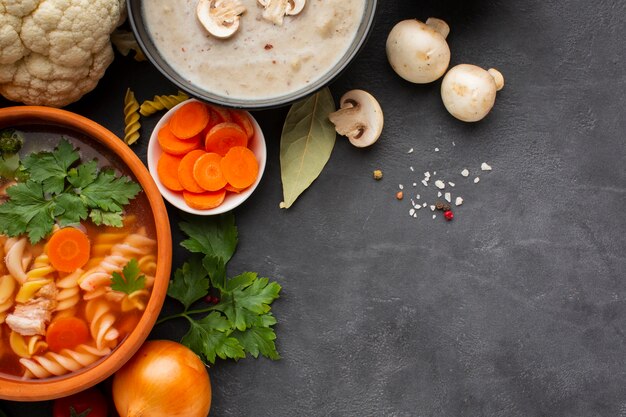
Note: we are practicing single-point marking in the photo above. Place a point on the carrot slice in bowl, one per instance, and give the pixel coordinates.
(241, 118)
(68, 249)
(174, 146)
(240, 167)
(66, 333)
(224, 136)
(207, 172)
(204, 201)
(232, 189)
(222, 114)
(185, 171)
(189, 120)
(167, 169)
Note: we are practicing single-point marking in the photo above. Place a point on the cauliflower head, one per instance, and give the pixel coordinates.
(52, 52)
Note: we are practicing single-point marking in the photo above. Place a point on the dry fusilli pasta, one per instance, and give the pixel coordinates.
(158, 103)
(131, 118)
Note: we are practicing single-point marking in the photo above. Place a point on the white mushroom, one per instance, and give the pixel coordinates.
(359, 118)
(418, 52)
(276, 10)
(220, 17)
(469, 92)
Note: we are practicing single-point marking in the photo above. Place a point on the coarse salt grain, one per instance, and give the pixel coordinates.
(427, 174)
(476, 180)
(438, 193)
(425, 183)
(414, 184)
(424, 205)
(411, 168)
(417, 196)
(448, 197)
(485, 167)
(465, 173)
(453, 144)
(432, 208)
(411, 212)
(451, 184)
(458, 201)
(434, 172)
(436, 149)
(434, 216)
(440, 184)
(410, 150)
(400, 186)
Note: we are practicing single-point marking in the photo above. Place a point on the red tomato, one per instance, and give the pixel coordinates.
(81, 402)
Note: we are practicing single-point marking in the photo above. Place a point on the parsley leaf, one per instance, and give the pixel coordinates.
(55, 188)
(190, 283)
(216, 237)
(241, 322)
(131, 281)
(9, 164)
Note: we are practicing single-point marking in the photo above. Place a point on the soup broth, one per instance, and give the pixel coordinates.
(85, 293)
(261, 60)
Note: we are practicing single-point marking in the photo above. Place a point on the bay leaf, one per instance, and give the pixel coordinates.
(306, 143)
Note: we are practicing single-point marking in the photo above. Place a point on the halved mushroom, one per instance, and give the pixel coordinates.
(220, 17)
(276, 10)
(359, 118)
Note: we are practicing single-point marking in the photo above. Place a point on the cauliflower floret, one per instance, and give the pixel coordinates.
(52, 52)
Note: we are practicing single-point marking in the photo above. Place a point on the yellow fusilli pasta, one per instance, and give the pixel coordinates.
(17, 258)
(131, 118)
(158, 103)
(39, 275)
(7, 289)
(101, 321)
(49, 364)
(69, 291)
(26, 346)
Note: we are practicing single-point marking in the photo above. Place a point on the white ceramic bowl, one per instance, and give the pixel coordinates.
(232, 200)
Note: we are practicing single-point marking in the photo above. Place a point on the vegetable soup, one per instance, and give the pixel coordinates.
(77, 271)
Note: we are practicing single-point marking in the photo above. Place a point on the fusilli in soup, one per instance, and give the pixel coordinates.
(34, 295)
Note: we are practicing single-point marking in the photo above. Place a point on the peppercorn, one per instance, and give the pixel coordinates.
(378, 174)
(448, 215)
(399, 195)
(439, 205)
(446, 207)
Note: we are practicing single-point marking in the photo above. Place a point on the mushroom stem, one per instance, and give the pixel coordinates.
(439, 26)
(497, 78)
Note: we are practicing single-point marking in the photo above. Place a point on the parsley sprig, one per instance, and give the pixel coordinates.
(241, 322)
(130, 280)
(60, 189)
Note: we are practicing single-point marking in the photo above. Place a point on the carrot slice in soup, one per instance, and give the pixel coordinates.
(208, 173)
(185, 171)
(223, 137)
(189, 120)
(206, 200)
(68, 249)
(167, 168)
(174, 146)
(243, 120)
(66, 333)
(240, 167)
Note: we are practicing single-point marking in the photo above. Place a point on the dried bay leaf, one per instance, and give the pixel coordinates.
(306, 143)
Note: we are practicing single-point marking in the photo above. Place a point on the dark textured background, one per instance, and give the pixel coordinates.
(517, 307)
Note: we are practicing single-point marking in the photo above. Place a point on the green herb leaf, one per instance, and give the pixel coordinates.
(246, 297)
(27, 210)
(215, 236)
(99, 217)
(110, 193)
(69, 209)
(131, 281)
(11, 141)
(209, 337)
(84, 175)
(216, 269)
(190, 283)
(50, 168)
(259, 339)
(74, 413)
(306, 143)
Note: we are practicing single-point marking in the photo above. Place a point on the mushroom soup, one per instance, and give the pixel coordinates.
(262, 59)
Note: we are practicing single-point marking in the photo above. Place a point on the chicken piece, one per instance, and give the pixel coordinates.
(31, 318)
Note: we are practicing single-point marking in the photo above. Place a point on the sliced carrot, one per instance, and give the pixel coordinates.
(208, 173)
(189, 120)
(232, 189)
(66, 333)
(174, 146)
(243, 120)
(167, 168)
(185, 171)
(206, 200)
(68, 249)
(222, 114)
(240, 167)
(223, 137)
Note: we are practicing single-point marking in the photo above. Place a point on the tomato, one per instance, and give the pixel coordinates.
(81, 402)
